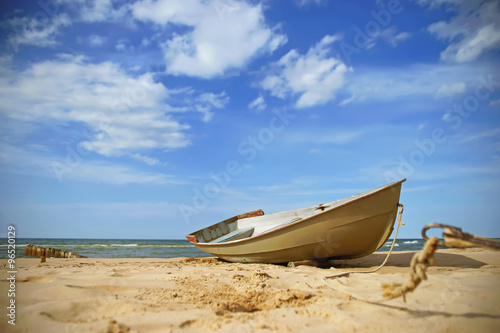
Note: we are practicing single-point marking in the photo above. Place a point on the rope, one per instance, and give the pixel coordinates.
(359, 298)
(419, 264)
(453, 237)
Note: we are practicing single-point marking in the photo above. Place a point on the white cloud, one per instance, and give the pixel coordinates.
(314, 76)
(471, 33)
(186, 99)
(258, 104)
(308, 186)
(450, 90)
(95, 10)
(186, 12)
(402, 36)
(436, 3)
(354, 96)
(100, 10)
(490, 133)
(419, 80)
(480, 41)
(112, 211)
(317, 151)
(220, 38)
(216, 100)
(96, 40)
(207, 101)
(43, 26)
(37, 32)
(294, 183)
(35, 160)
(389, 35)
(123, 114)
(148, 40)
(121, 45)
(99, 172)
(5, 64)
(332, 137)
(148, 160)
(303, 3)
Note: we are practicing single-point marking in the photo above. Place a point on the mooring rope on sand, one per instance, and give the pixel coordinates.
(419, 264)
(453, 237)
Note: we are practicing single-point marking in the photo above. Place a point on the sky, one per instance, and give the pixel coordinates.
(151, 119)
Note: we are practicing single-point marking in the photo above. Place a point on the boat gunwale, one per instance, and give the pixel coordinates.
(317, 242)
(236, 242)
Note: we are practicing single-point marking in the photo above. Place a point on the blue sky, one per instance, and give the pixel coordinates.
(154, 118)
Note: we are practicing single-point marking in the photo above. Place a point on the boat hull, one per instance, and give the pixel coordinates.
(353, 229)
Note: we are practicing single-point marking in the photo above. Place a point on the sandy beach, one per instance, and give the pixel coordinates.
(462, 294)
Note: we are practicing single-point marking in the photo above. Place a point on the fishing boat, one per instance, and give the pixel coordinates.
(349, 228)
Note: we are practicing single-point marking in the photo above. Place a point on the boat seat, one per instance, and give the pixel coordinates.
(295, 219)
(235, 235)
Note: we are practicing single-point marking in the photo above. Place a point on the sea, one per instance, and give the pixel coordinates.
(144, 248)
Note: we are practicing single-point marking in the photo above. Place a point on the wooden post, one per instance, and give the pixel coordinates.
(37, 251)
